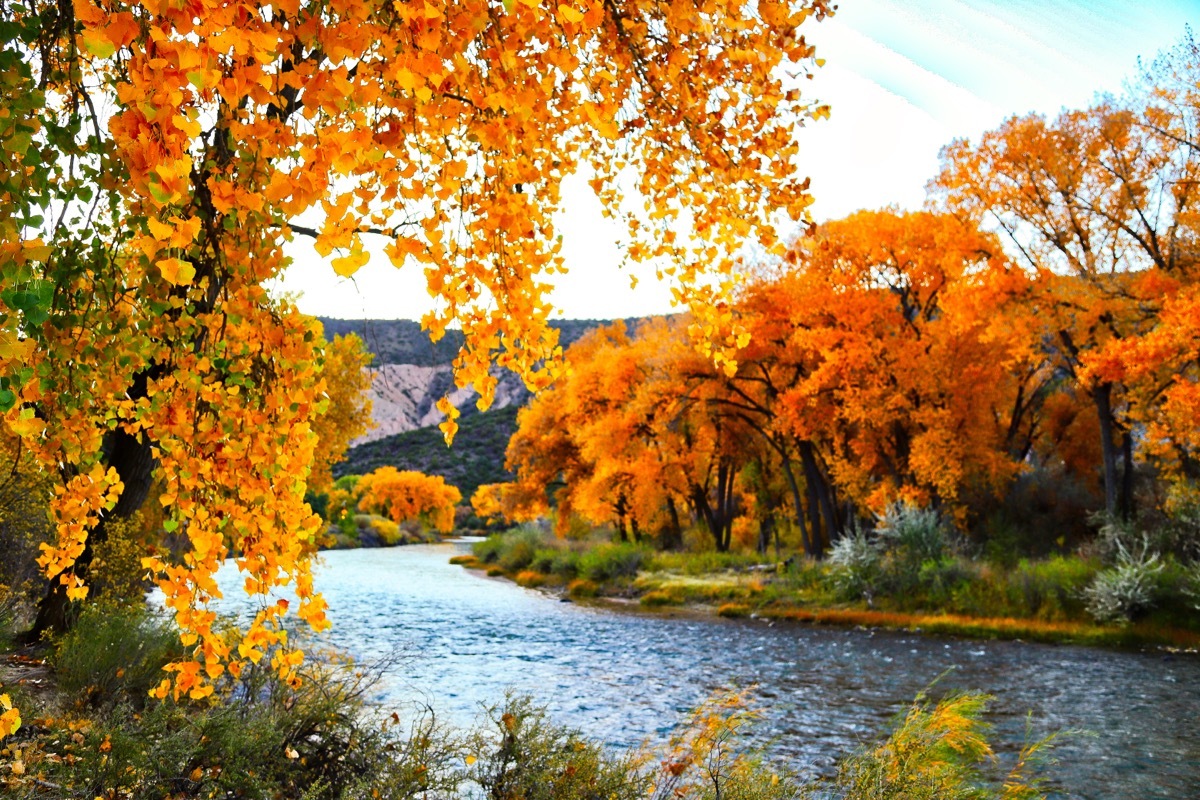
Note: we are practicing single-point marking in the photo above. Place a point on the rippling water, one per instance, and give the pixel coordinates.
(628, 677)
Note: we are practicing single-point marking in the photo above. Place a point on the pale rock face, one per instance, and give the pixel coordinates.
(403, 397)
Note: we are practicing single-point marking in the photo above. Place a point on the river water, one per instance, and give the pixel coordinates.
(628, 677)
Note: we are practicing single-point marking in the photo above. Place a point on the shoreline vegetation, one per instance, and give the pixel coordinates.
(1044, 600)
(91, 730)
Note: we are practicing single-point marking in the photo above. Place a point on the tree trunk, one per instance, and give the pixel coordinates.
(813, 473)
(1102, 397)
(672, 536)
(795, 490)
(1127, 508)
(133, 459)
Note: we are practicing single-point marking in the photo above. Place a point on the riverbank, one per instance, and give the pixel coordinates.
(743, 585)
(91, 730)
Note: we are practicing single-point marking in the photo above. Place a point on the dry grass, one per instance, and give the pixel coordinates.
(993, 627)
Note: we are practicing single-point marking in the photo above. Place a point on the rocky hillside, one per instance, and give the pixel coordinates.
(411, 373)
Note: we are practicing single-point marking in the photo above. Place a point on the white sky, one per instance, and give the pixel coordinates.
(904, 77)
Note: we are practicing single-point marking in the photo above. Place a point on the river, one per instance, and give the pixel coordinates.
(629, 677)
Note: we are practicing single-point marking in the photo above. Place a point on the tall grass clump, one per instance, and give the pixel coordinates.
(940, 752)
(518, 753)
(611, 562)
(115, 654)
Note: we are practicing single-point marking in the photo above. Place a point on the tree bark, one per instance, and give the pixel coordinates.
(1102, 398)
(133, 459)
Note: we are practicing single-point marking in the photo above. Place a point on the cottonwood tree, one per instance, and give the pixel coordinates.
(1101, 204)
(409, 496)
(154, 159)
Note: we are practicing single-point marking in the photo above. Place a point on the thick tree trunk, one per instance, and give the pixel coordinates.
(133, 459)
(1127, 509)
(813, 474)
(795, 490)
(1102, 398)
(672, 536)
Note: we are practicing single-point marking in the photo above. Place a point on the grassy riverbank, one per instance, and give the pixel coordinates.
(1038, 600)
(90, 730)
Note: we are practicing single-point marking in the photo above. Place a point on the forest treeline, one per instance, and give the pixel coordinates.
(1021, 352)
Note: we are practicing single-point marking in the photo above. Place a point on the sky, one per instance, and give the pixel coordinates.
(903, 77)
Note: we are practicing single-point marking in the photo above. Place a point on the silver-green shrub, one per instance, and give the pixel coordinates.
(1126, 590)
(854, 563)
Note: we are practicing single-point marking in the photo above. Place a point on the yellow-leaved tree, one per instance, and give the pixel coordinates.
(154, 157)
(409, 496)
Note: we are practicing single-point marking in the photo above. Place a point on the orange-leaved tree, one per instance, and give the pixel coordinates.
(409, 496)
(1102, 204)
(911, 362)
(154, 158)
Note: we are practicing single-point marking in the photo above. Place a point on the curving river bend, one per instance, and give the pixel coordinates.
(628, 677)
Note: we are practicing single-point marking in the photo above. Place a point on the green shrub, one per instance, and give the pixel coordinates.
(611, 561)
(700, 563)
(115, 654)
(256, 738)
(488, 551)
(520, 546)
(911, 536)
(519, 754)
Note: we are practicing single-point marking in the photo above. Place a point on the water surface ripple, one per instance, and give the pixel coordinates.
(628, 677)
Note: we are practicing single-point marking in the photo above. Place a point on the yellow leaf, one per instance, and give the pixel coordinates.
(161, 231)
(176, 271)
(97, 44)
(349, 264)
(37, 252)
(570, 14)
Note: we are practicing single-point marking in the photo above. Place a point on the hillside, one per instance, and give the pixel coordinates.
(411, 373)
(477, 456)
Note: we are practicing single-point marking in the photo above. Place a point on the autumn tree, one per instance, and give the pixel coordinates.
(1160, 365)
(892, 369)
(347, 413)
(409, 496)
(1098, 204)
(154, 159)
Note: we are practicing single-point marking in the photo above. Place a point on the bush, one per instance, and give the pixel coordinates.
(611, 561)
(529, 578)
(1126, 591)
(854, 562)
(912, 536)
(115, 654)
(519, 754)
(257, 737)
(389, 532)
(581, 587)
(939, 753)
(518, 551)
(660, 597)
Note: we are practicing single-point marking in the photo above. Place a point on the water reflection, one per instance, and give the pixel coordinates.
(625, 678)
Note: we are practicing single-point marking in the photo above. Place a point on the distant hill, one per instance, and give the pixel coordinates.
(477, 456)
(409, 374)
